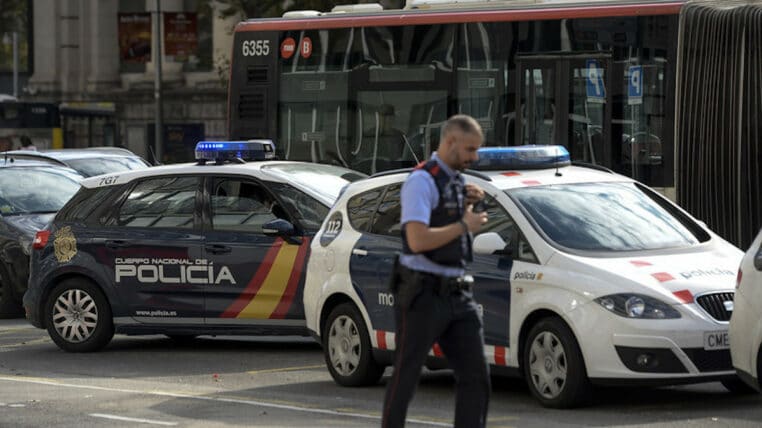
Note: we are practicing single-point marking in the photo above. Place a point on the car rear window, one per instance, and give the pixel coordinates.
(35, 190)
(606, 217)
(105, 165)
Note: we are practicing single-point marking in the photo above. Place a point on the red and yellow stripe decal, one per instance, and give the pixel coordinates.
(271, 291)
(496, 355)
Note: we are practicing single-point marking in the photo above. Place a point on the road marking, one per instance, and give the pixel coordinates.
(126, 419)
(259, 403)
(286, 369)
(25, 343)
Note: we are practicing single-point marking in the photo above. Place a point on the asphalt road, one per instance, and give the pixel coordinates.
(282, 382)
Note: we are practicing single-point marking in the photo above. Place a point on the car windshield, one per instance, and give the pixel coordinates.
(603, 217)
(35, 190)
(105, 165)
(324, 180)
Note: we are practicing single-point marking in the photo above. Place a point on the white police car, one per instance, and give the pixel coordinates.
(585, 277)
(746, 322)
(216, 247)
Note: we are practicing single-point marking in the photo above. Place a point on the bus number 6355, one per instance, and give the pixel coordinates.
(256, 47)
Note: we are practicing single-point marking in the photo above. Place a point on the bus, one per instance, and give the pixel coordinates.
(369, 88)
(39, 121)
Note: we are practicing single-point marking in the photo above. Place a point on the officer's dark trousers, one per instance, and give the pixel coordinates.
(425, 316)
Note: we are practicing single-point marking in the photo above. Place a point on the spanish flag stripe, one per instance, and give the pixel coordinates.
(270, 293)
(293, 282)
(256, 282)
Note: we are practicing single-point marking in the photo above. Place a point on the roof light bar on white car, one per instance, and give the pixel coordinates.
(222, 151)
(521, 157)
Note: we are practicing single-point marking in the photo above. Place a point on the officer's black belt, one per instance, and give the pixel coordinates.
(442, 284)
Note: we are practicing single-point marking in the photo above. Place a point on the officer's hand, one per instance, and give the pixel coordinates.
(473, 220)
(474, 193)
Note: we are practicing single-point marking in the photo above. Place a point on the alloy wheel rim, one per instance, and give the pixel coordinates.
(75, 315)
(344, 345)
(548, 365)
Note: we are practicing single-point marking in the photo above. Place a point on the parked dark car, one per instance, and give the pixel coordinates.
(31, 193)
(88, 161)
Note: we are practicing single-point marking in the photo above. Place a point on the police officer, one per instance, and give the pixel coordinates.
(433, 300)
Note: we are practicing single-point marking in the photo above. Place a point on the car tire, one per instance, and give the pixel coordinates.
(347, 348)
(553, 365)
(78, 316)
(738, 387)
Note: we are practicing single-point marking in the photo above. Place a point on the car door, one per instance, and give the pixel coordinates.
(255, 277)
(376, 214)
(152, 244)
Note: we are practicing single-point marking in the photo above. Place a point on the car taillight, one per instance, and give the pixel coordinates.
(40, 239)
(739, 277)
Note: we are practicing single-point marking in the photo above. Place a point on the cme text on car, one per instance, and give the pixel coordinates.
(584, 277)
(89, 161)
(31, 193)
(746, 322)
(215, 247)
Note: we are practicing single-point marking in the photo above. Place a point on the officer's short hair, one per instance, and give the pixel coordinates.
(463, 123)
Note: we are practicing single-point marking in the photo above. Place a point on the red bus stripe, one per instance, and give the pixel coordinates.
(500, 355)
(381, 339)
(293, 281)
(427, 17)
(256, 282)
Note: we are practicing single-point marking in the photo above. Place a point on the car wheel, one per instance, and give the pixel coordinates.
(347, 348)
(553, 365)
(78, 317)
(737, 386)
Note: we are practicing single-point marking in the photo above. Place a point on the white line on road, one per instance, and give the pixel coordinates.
(126, 419)
(50, 382)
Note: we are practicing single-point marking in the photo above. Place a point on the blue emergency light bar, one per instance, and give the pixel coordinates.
(521, 157)
(221, 151)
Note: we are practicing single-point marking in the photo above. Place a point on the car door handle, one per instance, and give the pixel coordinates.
(360, 252)
(218, 249)
(117, 243)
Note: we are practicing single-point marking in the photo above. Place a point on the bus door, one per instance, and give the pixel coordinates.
(565, 100)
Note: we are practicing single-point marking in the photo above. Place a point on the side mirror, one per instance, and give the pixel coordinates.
(490, 243)
(283, 229)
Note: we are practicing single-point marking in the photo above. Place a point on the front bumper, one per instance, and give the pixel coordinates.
(649, 352)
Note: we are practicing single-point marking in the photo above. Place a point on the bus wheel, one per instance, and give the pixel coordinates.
(347, 349)
(78, 316)
(553, 365)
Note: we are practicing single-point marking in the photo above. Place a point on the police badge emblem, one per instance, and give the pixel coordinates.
(65, 245)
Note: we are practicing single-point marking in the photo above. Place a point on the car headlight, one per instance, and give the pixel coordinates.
(637, 306)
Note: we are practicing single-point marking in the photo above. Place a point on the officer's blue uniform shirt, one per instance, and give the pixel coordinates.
(419, 196)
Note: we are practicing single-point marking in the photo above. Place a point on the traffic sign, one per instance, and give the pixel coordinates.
(635, 85)
(595, 85)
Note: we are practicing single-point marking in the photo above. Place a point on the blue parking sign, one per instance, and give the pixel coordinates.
(635, 85)
(596, 88)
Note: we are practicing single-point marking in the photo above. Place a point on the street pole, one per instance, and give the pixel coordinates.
(15, 64)
(159, 144)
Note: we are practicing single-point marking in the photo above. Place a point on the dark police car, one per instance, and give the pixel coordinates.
(208, 248)
(30, 194)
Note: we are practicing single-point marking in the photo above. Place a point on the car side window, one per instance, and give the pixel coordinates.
(160, 202)
(387, 218)
(242, 205)
(360, 208)
(500, 222)
(309, 212)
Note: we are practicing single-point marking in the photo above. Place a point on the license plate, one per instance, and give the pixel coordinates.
(715, 340)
